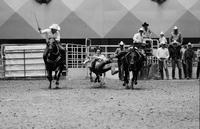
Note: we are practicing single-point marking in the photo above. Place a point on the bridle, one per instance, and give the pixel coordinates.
(54, 53)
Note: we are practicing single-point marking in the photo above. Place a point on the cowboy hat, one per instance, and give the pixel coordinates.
(121, 43)
(141, 29)
(161, 33)
(189, 44)
(145, 24)
(55, 26)
(175, 28)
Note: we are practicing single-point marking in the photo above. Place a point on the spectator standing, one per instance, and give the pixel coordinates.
(163, 55)
(176, 36)
(175, 56)
(118, 51)
(198, 64)
(162, 39)
(189, 57)
(147, 32)
(183, 49)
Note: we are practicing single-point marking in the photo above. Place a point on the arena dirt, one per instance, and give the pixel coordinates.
(168, 104)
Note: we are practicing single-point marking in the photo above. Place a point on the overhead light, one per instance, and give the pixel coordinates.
(43, 1)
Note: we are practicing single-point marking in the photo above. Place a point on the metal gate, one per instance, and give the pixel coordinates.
(76, 54)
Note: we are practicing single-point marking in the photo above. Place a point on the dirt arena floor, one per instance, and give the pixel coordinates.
(168, 104)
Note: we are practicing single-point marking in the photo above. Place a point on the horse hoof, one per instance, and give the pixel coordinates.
(57, 88)
(135, 83)
(124, 84)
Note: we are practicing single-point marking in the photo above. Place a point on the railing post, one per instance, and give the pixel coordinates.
(24, 62)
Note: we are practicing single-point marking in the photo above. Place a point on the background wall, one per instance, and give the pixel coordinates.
(98, 18)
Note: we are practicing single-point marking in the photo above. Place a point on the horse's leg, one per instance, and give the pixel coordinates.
(58, 76)
(103, 80)
(136, 75)
(55, 76)
(90, 73)
(126, 78)
(49, 77)
(133, 79)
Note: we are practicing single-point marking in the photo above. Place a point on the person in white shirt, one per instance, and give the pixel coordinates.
(163, 55)
(183, 49)
(162, 39)
(52, 34)
(138, 37)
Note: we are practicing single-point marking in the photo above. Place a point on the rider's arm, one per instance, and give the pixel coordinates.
(135, 38)
(180, 38)
(45, 31)
(57, 38)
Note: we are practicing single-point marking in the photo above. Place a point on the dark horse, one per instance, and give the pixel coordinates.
(133, 61)
(54, 61)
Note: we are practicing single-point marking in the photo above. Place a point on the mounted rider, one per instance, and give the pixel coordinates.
(138, 41)
(52, 34)
(147, 38)
(147, 32)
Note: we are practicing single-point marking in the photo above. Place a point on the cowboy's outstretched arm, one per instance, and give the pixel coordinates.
(43, 31)
(58, 37)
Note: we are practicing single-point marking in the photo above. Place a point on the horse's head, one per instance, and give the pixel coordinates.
(52, 46)
(133, 57)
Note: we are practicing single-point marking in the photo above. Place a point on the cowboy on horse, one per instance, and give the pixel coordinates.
(54, 54)
(52, 33)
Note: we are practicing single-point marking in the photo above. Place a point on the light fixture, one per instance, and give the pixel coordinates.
(43, 1)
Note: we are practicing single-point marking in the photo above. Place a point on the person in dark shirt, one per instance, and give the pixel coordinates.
(118, 51)
(175, 56)
(188, 58)
(198, 64)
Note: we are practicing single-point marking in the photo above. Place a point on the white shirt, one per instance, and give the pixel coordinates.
(101, 57)
(162, 53)
(137, 38)
(182, 52)
(162, 40)
(49, 35)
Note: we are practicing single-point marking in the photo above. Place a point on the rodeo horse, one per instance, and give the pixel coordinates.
(133, 60)
(54, 54)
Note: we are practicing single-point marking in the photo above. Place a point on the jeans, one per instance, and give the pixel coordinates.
(189, 68)
(178, 63)
(163, 65)
(184, 69)
(198, 69)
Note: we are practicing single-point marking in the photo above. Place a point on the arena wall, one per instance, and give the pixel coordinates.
(98, 18)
